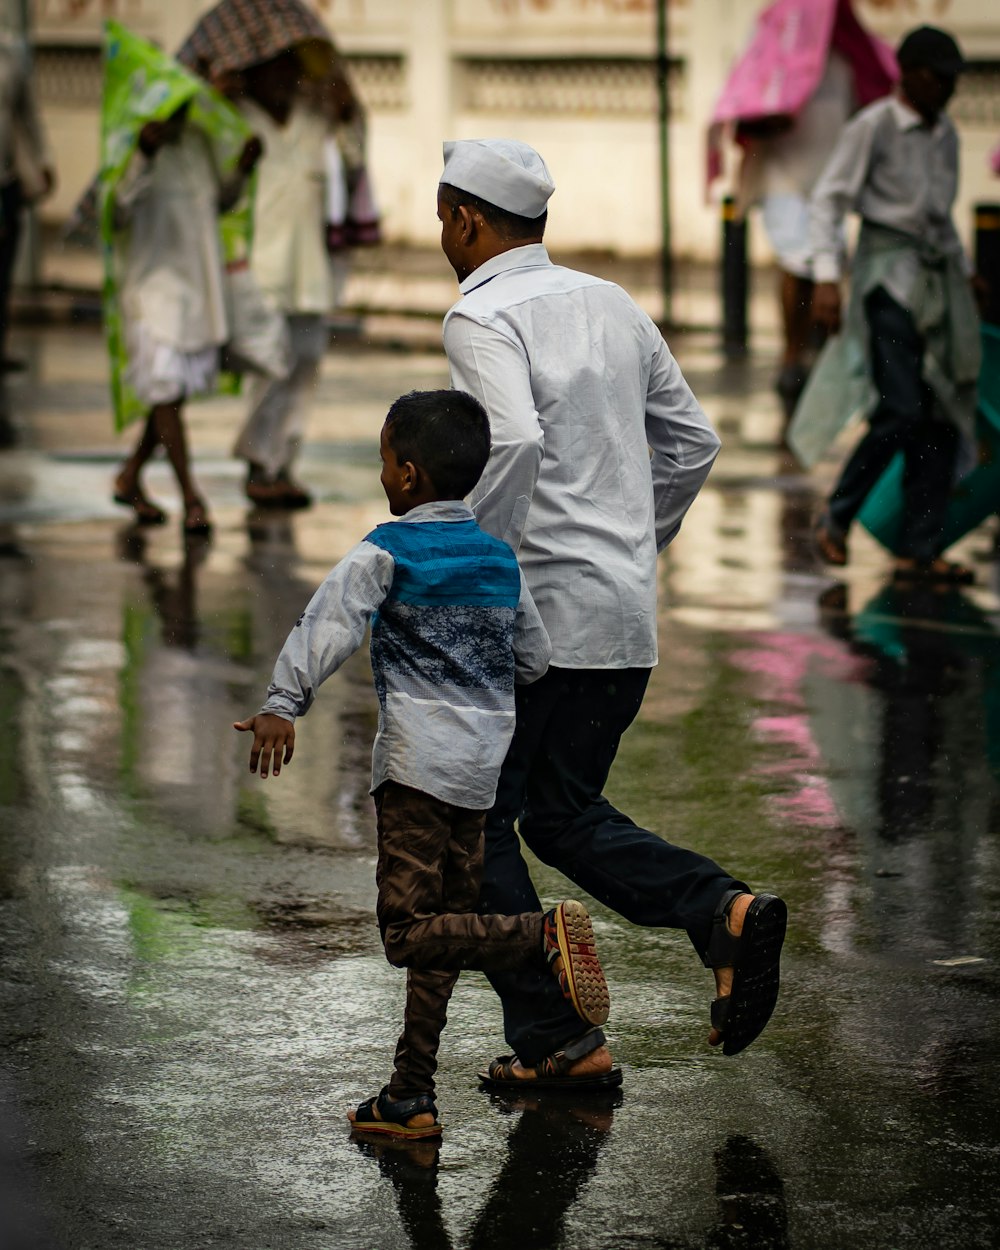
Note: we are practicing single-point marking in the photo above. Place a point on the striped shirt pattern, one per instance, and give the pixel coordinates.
(451, 625)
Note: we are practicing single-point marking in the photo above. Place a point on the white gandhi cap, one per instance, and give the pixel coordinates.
(503, 172)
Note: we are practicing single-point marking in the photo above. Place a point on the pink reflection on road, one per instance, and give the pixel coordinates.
(781, 663)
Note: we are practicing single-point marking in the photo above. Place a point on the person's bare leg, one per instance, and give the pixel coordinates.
(796, 302)
(127, 481)
(128, 486)
(170, 429)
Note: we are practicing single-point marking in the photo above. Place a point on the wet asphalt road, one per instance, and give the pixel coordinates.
(192, 990)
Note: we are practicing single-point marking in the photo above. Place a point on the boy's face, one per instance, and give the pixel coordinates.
(396, 478)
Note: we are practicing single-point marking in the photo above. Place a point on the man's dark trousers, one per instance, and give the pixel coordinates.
(569, 725)
(903, 421)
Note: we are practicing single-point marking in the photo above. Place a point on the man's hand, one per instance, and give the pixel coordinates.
(152, 137)
(273, 737)
(826, 306)
(251, 154)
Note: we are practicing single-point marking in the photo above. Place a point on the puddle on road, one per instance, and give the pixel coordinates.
(199, 948)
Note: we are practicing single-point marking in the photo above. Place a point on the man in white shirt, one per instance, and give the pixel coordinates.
(911, 332)
(598, 450)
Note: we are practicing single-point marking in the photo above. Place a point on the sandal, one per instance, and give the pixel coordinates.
(946, 572)
(553, 1072)
(196, 518)
(754, 956)
(568, 935)
(146, 512)
(831, 541)
(393, 1114)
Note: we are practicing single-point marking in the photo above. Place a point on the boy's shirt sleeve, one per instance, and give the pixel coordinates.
(331, 629)
(532, 648)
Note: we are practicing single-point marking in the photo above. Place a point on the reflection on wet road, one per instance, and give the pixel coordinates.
(193, 990)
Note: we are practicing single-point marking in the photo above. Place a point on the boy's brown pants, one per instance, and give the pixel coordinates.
(430, 861)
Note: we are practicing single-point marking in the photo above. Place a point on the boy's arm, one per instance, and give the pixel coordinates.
(331, 628)
(681, 439)
(495, 370)
(532, 648)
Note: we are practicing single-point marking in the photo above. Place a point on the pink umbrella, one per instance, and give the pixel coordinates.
(787, 54)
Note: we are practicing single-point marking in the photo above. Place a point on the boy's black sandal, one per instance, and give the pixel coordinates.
(393, 1115)
(754, 956)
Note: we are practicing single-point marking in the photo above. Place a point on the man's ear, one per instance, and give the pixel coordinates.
(470, 227)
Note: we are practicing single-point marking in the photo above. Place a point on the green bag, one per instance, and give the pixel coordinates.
(143, 84)
(977, 495)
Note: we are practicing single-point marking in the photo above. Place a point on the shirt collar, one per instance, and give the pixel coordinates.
(907, 118)
(527, 257)
(439, 510)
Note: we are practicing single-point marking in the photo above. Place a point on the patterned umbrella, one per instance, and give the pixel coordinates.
(239, 33)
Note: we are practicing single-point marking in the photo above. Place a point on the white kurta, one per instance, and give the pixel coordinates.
(173, 269)
(289, 257)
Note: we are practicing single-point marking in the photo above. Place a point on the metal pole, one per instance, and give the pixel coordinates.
(29, 260)
(663, 97)
(734, 280)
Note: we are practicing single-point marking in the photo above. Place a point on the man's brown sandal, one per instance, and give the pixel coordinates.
(553, 1072)
(754, 956)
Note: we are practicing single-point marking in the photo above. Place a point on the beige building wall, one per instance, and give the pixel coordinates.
(575, 78)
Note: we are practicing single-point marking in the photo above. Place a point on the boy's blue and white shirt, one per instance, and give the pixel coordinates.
(452, 624)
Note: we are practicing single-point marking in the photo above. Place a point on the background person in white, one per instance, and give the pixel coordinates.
(290, 264)
(579, 387)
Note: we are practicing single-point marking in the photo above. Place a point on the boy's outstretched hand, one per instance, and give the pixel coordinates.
(273, 738)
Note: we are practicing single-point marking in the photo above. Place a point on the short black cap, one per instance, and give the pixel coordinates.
(930, 48)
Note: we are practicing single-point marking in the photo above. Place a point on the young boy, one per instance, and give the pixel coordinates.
(453, 628)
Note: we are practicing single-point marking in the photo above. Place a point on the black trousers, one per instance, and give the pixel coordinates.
(11, 203)
(902, 421)
(569, 725)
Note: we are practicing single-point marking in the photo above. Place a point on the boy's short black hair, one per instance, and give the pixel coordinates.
(445, 433)
(509, 226)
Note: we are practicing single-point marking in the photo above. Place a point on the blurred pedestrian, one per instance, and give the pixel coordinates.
(27, 174)
(579, 386)
(278, 62)
(912, 330)
(290, 261)
(162, 205)
(452, 627)
(808, 66)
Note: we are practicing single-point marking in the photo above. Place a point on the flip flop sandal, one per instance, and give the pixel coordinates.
(196, 519)
(553, 1072)
(754, 957)
(831, 542)
(569, 933)
(146, 512)
(394, 1115)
